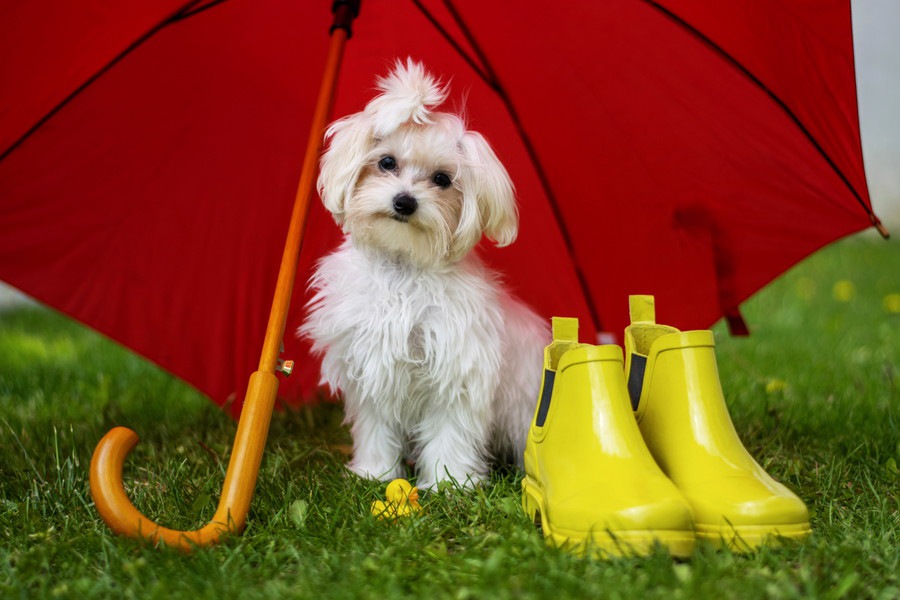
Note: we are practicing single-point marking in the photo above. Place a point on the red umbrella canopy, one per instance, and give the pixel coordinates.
(151, 149)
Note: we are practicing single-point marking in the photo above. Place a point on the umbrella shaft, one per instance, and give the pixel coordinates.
(288, 271)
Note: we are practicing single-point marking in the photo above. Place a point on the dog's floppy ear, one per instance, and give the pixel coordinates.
(350, 141)
(487, 181)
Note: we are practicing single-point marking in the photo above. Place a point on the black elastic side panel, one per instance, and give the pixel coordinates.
(546, 393)
(636, 379)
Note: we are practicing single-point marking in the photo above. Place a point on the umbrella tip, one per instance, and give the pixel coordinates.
(876, 222)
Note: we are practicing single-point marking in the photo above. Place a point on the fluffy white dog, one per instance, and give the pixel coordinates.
(436, 362)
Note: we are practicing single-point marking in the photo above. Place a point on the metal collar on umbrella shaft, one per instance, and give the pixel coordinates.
(344, 13)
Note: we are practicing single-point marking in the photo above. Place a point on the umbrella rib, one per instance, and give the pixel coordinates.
(176, 16)
(493, 81)
(456, 45)
(190, 12)
(781, 103)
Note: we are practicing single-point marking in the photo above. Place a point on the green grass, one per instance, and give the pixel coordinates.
(813, 393)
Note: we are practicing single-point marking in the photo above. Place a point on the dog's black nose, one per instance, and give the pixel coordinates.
(405, 204)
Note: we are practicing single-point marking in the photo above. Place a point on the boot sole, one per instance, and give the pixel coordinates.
(603, 543)
(746, 538)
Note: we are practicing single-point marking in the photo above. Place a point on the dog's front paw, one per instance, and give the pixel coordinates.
(376, 472)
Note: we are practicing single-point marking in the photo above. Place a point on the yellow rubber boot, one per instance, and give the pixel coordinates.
(590, 482)
(674, 386)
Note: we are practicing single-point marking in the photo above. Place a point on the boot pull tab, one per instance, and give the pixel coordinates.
(565, 329)
(642, 309)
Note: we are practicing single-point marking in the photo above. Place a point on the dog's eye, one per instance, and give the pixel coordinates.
(388, 163)
(441, 180)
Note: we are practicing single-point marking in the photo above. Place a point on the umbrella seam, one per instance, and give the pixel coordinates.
(479, 69)
(174, 17)
(775, 98)
(182, 15)
(494, 83)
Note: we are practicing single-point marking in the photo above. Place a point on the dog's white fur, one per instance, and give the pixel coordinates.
(435, 360)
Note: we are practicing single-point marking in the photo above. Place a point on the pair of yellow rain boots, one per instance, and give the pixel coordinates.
(615, 467)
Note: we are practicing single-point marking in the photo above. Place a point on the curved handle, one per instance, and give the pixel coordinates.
(107, 487)
(123, 518)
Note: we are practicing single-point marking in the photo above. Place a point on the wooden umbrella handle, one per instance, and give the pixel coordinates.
(123, 518)
(107, 487)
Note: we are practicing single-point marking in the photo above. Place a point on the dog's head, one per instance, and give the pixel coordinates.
(411, 182)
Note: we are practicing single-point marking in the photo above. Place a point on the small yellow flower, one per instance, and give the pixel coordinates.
(775, 385)
(892, 303)
(844, 291)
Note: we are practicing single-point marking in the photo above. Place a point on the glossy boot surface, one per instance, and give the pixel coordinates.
(682, 415)
(590, 481)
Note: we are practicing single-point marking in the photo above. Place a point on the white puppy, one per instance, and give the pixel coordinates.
(436, 362)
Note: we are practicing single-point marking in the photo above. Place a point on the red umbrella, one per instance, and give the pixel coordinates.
(149, 153)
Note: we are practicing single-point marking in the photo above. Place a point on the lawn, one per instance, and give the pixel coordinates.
(813, 393)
